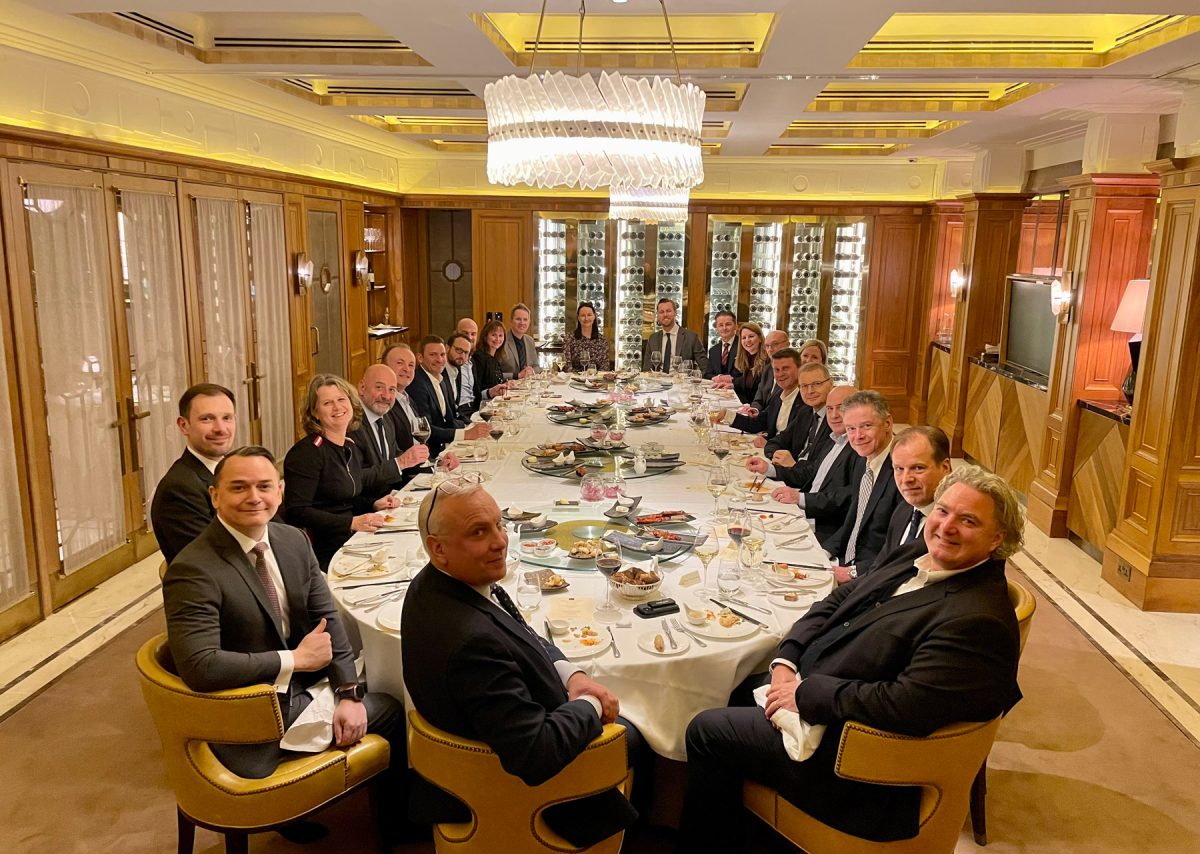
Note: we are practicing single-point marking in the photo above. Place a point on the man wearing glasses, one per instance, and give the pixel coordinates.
(807, 433)
(475, 668)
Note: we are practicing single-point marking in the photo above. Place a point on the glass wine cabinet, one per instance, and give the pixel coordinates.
(806, 275)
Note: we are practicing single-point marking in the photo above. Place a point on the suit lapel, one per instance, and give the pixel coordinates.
(881, 486)
(229, 551)
(460, 591)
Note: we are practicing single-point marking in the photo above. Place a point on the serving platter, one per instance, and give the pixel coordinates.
(568, 531)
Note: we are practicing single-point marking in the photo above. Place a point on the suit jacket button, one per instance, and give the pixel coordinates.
(846, 624)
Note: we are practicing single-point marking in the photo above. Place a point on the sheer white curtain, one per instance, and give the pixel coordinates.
(149, 224)
(269, 282)
(14, 573)
(220, 229)
(69, 248)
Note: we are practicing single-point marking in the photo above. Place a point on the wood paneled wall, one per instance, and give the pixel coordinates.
(1096, 477)
(937, 393)
(943, 251)
(358, 354)
(502, 248)
(1153, 554)
(1109, 225)
(1004, 426)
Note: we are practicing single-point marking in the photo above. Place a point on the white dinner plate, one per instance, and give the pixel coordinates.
(353, 568)
(713, 629)
(806, 600)
(646, 641)
(816, 578)
(572, 644)
(389, 615)
(793, 525)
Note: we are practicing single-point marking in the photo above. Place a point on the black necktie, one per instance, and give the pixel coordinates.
(914, 526)
(458, 388)
(520, 353)
(510, 607)
(667, 353)
(812, 436)
(383, 446)
(842, 622)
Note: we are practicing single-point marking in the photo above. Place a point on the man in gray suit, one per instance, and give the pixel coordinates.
(518, 355)
(246, 603)
(673, 340)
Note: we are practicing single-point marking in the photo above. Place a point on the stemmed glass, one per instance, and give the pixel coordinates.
(719, 445)
(718, 483)
(751, 551)
(421, 429)
(655, 361)
(496, 429)
(698, 421)
(608, 562)
(706, 549)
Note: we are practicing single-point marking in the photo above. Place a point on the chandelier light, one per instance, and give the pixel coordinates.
(562, 130)
(647, 204)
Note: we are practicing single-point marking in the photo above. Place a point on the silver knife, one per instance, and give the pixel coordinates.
(738, 613)
(549, 634)
(616, 652)
(748, 605)
(787, 543)
(670, 637)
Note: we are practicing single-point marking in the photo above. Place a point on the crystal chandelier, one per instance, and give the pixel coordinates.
(647, 204)
(559, 130)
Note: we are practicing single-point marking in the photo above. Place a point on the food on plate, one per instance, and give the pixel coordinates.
(728, 619)
(791, 597)
(588, 632)
(581, 470)
(755, 486)
(633, 575)
(664, 535)
(661, 517)
(554, 580)
(562, 407)
(637, 419)
(585, 549)
(544, 548)
(544, 453)
(659, 646)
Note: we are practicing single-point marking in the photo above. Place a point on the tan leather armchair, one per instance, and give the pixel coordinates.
(942, 764)
(211, 796)
(1024, 604)
(506, 813)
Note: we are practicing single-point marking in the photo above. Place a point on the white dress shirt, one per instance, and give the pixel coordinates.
(468, 381)
(673, 336)
(287, 660)
(436, 379)
(823, 469)
(373, 420)
(209, 462)
(785, 409)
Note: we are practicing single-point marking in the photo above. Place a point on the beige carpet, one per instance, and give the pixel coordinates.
(1085, 763)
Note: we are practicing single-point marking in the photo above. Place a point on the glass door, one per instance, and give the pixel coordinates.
(324, 241)
(724, 270)
(846, 304)
(632, 240)
(804, 303)
(270, 370)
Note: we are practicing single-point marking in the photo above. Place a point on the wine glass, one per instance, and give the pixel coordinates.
(718, 483)
(655, 361)
(421, 429)
(708, 544)
(608, 562)
(719, 445)
(698, 421)
(529, 594)
(497, 427)
(751, 549)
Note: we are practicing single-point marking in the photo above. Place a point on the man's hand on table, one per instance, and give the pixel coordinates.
(314, 652)
(722, 381)
(758, 465)
(760, 441)
(580, 684)
(450, 460)
(786, 495)
(388, 502)
(349, 722)
(476, 431)
(783, 458)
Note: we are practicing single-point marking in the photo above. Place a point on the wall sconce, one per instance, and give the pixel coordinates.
(304, 272)
(362, 269)
(1061, 296)
(958, 284)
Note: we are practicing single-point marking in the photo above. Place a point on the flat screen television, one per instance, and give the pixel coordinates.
(1029, 325)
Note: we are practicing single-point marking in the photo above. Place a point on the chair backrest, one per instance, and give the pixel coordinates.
(507, 813)
(943, 764)
(1024, 604)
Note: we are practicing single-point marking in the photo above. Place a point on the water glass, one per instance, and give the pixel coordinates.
(729, 580)
(529, 594)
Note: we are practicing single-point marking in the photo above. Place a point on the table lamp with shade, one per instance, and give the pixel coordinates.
(1131, 314)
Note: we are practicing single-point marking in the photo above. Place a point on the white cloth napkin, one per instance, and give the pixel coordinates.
(312, 731)
(800, 738)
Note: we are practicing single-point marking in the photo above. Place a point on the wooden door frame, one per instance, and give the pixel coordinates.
(333, 206)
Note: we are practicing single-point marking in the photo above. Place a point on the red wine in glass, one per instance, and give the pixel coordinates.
(608, 565)
(737, 532)
(720, 452)
(486, 414)
(496, 432)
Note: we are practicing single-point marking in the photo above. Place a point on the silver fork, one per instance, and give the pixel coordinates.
(679, 627)
(670, 637)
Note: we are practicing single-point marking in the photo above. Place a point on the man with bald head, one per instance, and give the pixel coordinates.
(375, 440)
(468, 327)
(475, 668)
(403, 362)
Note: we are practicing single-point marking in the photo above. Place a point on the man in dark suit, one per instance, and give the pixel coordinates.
(474, 667)
(723, 353)
(783, 409)
(775, 341)
(246, 603)
(914, 646)
(432, 396)
(821, 484)
(798, 439)
(375, 439)
(518, 355)
(181, 508)
(860, 538)
(920, 459)
(672, 340)
(460, 370)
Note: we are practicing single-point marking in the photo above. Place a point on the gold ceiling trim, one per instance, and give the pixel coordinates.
(372, 57)
(430, 125)
(324, 94)
(900, 129)
(963, 50)
(921, 101)
(633, 42)
(724, 98)
(834, 150)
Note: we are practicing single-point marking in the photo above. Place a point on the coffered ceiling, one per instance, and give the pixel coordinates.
(794, 78)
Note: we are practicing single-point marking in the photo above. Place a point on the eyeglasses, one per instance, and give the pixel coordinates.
(813, 386)
(457, 484)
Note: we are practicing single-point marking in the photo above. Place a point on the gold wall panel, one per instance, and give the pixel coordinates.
(981, 429)
(1096, 479)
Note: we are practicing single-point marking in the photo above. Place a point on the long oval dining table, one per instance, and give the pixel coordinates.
(659, 692)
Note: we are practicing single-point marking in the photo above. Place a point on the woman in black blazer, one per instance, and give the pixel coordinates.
(751, 361)
(328, 492)
(488, 372)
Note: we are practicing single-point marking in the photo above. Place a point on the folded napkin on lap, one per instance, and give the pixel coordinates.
(312, 731)
(800, 738)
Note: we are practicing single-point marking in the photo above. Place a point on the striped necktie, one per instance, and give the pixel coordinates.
(864, 497)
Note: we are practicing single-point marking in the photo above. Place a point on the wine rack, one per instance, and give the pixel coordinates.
(804, 305)
(846, 303)
(591, 267)
(630, 265)
(764, 274)
(551, 282)
(672, 250)
(724, 271)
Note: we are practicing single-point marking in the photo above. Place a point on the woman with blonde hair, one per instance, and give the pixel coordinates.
(751, 361)
(328, 493)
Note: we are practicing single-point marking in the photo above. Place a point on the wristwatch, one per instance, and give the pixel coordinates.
(352, 691)
(853, 572)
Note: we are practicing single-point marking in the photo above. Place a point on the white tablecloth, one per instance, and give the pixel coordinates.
(659, 694)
